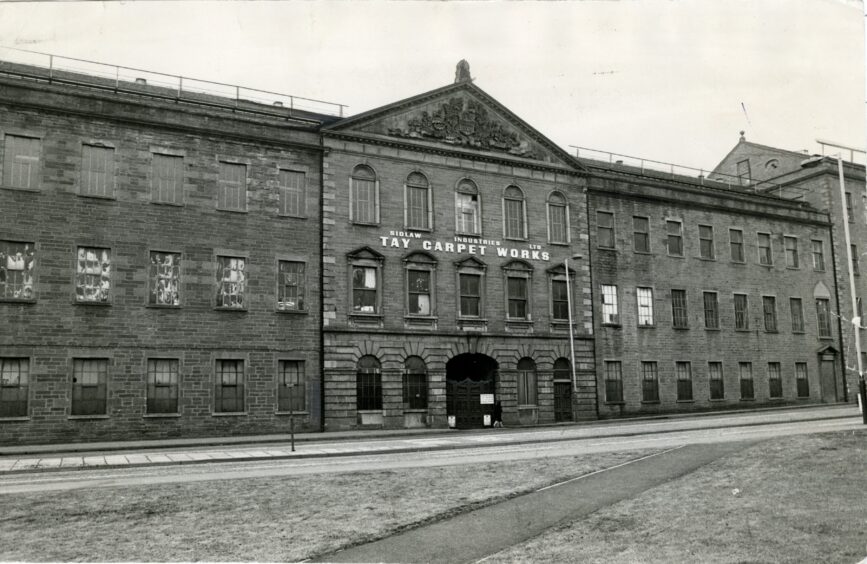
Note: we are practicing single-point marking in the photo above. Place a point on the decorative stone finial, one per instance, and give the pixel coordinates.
(462, 71)
(742, 136)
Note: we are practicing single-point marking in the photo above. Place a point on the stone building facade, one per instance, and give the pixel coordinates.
(448, 225)
(200, 266)
(708, 297)
(158, 266)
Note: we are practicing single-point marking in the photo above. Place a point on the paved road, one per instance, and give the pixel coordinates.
(477, 534)
(393, 454)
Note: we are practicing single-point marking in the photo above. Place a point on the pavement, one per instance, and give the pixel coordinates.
(478, 534)
(58, 457)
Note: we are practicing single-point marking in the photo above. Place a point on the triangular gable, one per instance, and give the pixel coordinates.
(460, 116)
(470, 262)
(365, 253)
(765, 162)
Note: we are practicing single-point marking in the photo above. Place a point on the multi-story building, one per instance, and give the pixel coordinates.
(158, 262)
(175, 263)
(449, 224)
(815, 179)
(706, 296)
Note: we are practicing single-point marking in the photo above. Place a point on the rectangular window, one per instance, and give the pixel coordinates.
(89, 386)
(792, 260)
(801, 381)
(232, 187)
(291, 386)
(856, 268)
(775, 381)
(21, 162)
(365, 288)
(93, 275)
(674, 231)
(517, 296)
(711, 310)
(818, 255)
(715, 377)
(415, 390)
(17, 269)
(742, 317)
(684, 381)
(679, 317)
(609, 305)
(471, 294)
(14, 386)
(292, 198)
(649, 382)
(162, 392)
(746, 370)
(418, 291)
(765, 254)
(705, 241)
(231, 282)
(736, 243)
(797, 310)
(644, 297)
(467, 213)
(97, 171)
(291, 286)
(769, 310)
(558, 223)
(641, 234)
(823, 315)
(229, 387)
(605, 229)
(849, 213)
(167, 179)
(417, 207)
(559, 300)
(165, 279)
(613, 382)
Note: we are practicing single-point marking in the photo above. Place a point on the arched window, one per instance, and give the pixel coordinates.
(363, 195)
(467, 208)
(526, 381)
(562, 369)
(417, 202)
(368, 378)
(414, 383)
(514, 214)
(558, 218)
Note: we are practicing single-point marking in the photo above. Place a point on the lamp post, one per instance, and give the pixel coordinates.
(571, 330)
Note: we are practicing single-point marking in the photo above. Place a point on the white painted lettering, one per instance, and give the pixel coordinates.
(438, 246)
(535, 255)
(525, 254)
(405, 243)
(395, 242)
(461, 247)
(501, 252)
(482, 250)
(384, 241)
(471, 249)
(545, 256)
(450, 247)
(426, 245)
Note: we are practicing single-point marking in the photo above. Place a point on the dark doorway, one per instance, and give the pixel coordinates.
(562, 401)
(468, 376)
(828, 378)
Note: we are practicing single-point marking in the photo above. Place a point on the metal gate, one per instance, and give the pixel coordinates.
(562, 401)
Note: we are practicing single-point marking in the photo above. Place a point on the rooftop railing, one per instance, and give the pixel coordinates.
(700, 175)
(69, 70)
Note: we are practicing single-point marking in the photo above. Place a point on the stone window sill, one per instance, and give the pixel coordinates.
(10, 419)
(17, 301)
(85, 417)
(162, 306)
(161, 415)
(97, 197)
(99, 304)
(293, 311)
(20, 188)
(292, 413)
(229, 414)
(169, 204)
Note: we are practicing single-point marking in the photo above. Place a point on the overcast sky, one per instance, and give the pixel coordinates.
(673, 81)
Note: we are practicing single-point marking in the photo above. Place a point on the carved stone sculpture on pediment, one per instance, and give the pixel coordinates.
(464, 123)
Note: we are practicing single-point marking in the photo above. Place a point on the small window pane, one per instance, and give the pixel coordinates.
(674, 229)
(610, 313)
(641, 234)
(291, 386)
(89, 379)
(165, 279)
(678, 309)
(649, 382)
(97, 171)
(613, 382)
(162, 385)
(736, 241)
(231, 282)
(645, 306)
(232, 187)
(93, 275)
(605, 229)
(229, 387)
(292, 187)
(291, 286)
(168, 179)
(14, 386)
(364, 289)
(419, 292)
(21, 162)
(17, 270)
(470, 288)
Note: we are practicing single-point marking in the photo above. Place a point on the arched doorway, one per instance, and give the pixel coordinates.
(468, 376)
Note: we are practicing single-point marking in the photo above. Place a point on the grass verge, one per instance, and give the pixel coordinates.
(797, 499)
(262, 519)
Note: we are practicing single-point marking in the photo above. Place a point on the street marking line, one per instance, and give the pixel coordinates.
(607, 469)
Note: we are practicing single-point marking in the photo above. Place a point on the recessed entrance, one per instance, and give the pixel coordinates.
(468, 376)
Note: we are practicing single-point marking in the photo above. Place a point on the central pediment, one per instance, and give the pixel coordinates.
(460, 116)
